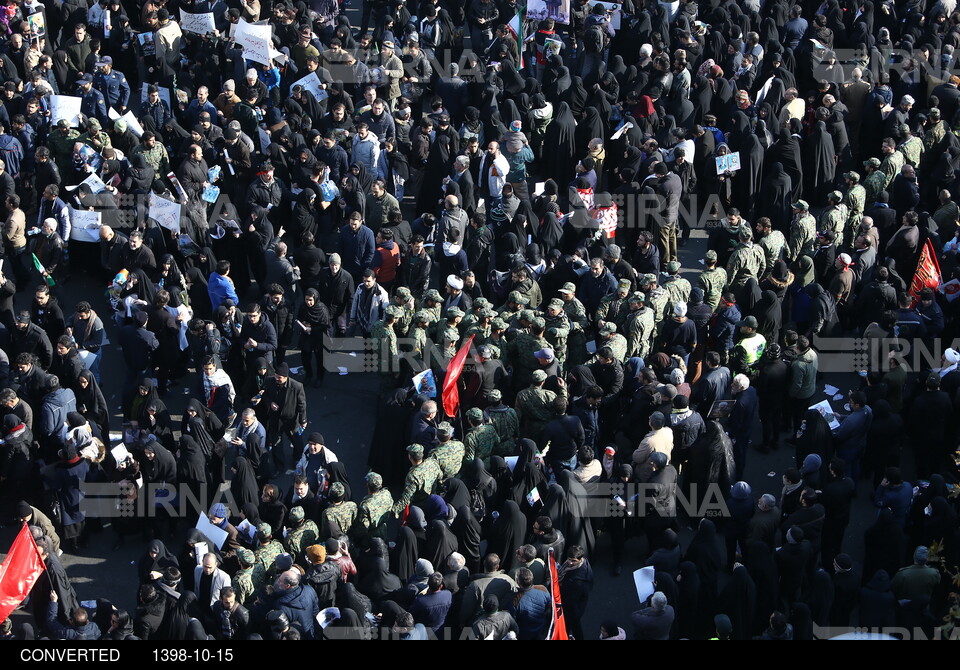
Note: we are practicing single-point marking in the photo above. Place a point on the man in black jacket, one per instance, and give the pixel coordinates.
(286, 406)
(229, 619)
(275, 308)
(138, 345)
(336, 292)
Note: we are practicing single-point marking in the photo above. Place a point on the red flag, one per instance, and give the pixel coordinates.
(451, 396)
(558, 627)
(19, 572)
(928, 272)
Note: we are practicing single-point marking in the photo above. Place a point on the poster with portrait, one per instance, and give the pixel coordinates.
(37, 23)
(558, 10)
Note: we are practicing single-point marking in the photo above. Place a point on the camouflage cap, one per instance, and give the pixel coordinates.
(801, 205)
(337, 490)
(836, 196)
(498, 324)
(569, 288)
(637, 298)
(495, 395)
(445, 429)
(475, 414)
(403, 293)
(481, 303)
(454, 312)
(264, 531)
(711, 256)
(625, 284)
(486, 313)
(852, 176)
(394, 311)
(934, 113)
(374, 480)
(526, 315)
(872, 162)
(415, 450)
(648, 279)
(517, 297)
(608, 328)
(433, 294)
(539, 376)
(422, 317)
(556, 303)
(246, 556)
(296, 514)
(673, 266)
(538, 322)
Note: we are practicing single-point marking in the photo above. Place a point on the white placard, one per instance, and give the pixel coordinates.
(165, 212)
(255, 40)
(112, 114)
(133, 124)
(95, 183)
(826, 411)
(65, 107)
(201, 24)
(643, 580)
(86, 225)
(312, 83)
(87, 357)
(119, 452)
(216, 535)
(200, 549)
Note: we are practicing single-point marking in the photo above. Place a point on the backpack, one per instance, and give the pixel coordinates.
(594, 39)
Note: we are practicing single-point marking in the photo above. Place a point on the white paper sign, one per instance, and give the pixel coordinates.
(133, 124)
(95, 183)
(312, 83)
(826, 411)
(119, 452)
(201, 24)
(643, 580)
(165, 212)
(255, 41)
(65, 107)
(86, 225)
(216, 535)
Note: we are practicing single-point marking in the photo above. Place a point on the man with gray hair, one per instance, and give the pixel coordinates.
(297, 601)
(653, 622)
(464, 179)
(765, 521)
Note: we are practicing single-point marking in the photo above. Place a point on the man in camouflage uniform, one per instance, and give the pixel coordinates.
(449, 338)
(267, 551)
(657, 300)
(371, 519)
(418, 339)
(337, 520)
(481, 440)
(449, 453)
(423, 476)
(496, 339)
(471, 319)
(609, 337)
(874, 181)
(747, 260)
(250, 577)
(893, 160)
(579, 325)
(712, 280)
(935, 131)
(480, 328)
(803, 233)
(535, 407)
(771, 241)
(854, 201)
(60, 142)
(506, 422)
(613, 306)
(404, 300)
(301, 533)
(385, 342)
(516, 301)
(677, 288)
(558, 329)
(432, 304)
(95, 137)
(835, 216)
(911, 147)
(640, 327)
(522, 349)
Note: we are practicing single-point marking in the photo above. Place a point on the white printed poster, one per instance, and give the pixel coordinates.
(201, 24)
(312, 83)
(65, 107)
(86, 225)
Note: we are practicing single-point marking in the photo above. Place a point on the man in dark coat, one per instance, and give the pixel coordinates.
(286, 406)
(298, 601)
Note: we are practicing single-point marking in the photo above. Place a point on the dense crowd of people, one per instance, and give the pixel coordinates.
(450, 175)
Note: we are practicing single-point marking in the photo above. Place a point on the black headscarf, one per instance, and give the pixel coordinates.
(441, 542)
(244, 483)
(163, 560)
(508, 534)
